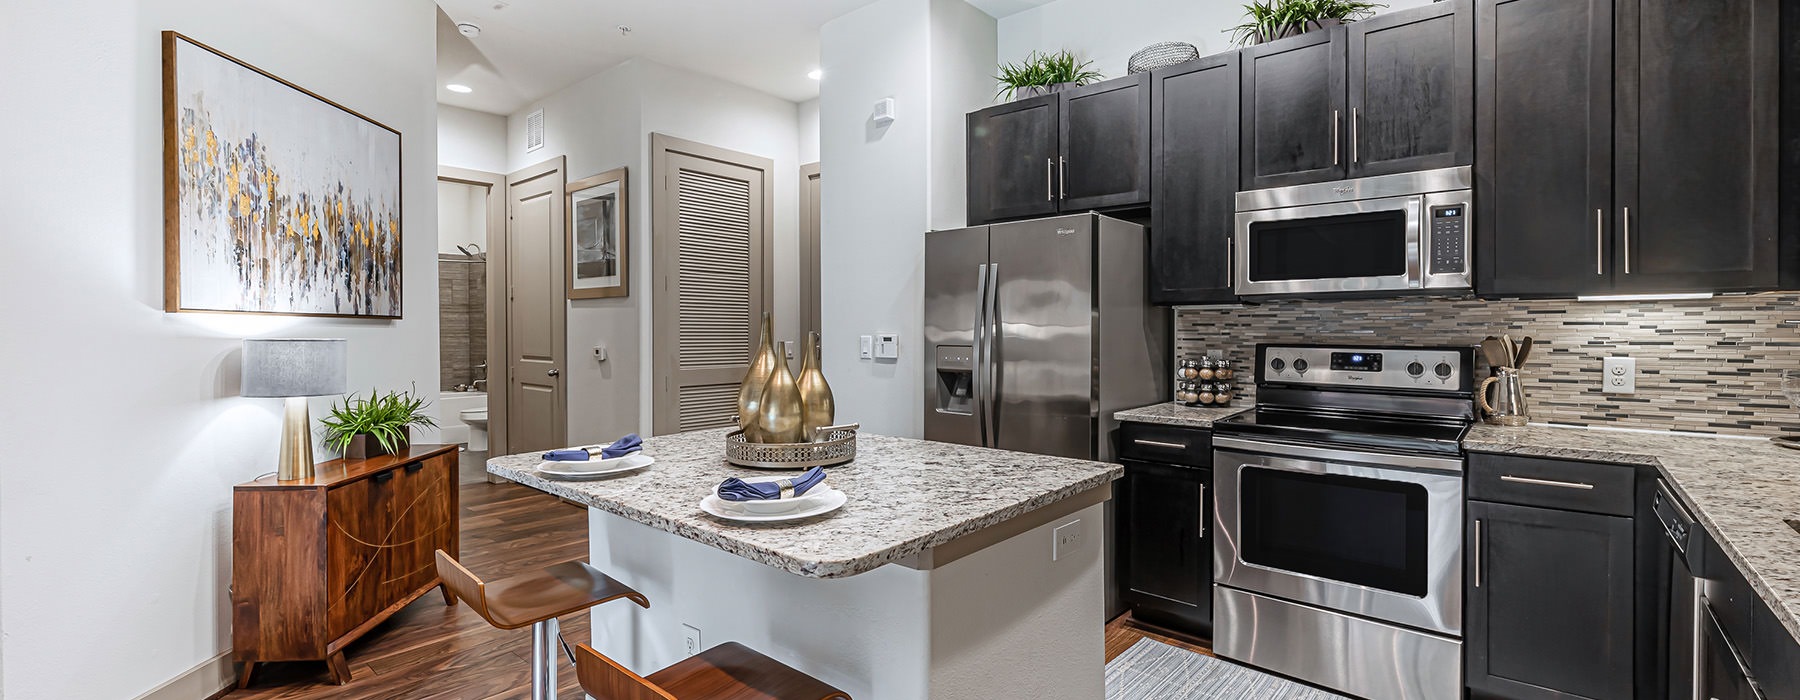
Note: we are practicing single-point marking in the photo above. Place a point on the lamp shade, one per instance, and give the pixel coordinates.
(287, 367)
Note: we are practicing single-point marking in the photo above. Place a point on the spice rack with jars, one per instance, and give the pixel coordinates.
(1206, 381)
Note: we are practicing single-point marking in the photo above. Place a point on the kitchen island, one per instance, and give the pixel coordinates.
(939, 577)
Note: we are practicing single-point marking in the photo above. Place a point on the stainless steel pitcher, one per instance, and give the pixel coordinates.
(1508, 404)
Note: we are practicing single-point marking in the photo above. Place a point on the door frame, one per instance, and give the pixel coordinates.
(494, 244)
(499, 323)
(811, 223)
(664, 411)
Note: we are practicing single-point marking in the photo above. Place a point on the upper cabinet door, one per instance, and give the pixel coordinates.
(1543, 124)
(1194, 172)
(1412, 90)
(1294, 116)
(1105, 137)
(1012, 160)
(1697, 145)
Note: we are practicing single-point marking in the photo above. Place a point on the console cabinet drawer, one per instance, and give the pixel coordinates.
(1590, 487)
(1168, 444)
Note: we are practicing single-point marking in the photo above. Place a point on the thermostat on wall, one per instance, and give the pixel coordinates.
(884, 111)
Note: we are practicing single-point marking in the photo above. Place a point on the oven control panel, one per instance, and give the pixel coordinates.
(1436, 368)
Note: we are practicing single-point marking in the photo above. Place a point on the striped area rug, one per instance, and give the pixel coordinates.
(1151, 670)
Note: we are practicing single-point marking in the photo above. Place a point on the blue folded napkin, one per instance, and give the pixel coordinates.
(735, 489)
(621, 447)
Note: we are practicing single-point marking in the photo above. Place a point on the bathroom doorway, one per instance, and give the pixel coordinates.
(471, 216)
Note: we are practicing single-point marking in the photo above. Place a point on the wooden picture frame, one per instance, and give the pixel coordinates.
(597, 243)
(275, 199)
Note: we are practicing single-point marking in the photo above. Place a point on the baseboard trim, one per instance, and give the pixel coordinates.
(211, 680)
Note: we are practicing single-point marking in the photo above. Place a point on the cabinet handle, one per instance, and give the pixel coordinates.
(1627, 225)
(1049, 174)
(383, 476)
(1599, 243)
(1478, 552)
(1159, 443)
(1334, 137)
(415, 466)
(1202, 511)
(1062, 178)
(1354, 118)
(1547, 482)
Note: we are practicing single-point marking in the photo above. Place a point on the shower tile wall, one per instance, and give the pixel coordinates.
(462, 321)
(1705, 365)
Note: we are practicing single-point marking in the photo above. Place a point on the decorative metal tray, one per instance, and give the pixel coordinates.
(830, 446)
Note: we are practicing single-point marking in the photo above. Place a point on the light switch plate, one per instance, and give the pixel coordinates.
(865, 345)
(1618, 375)
(887, 346)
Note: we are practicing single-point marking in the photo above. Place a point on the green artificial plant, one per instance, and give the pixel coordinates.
(1041, 69)
(383, 417)
(1267, 20)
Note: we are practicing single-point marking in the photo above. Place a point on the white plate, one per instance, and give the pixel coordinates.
(594, 469)
(783, 505)
(831, 500)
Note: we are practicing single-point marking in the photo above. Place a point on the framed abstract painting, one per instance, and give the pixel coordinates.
(598, 264)
(275, 200)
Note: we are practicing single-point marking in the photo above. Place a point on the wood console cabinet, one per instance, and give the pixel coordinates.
(317, 563)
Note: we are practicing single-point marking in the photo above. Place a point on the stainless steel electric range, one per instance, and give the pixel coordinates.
(1339, 516)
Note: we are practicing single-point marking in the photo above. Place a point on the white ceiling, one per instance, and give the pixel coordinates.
(1001, 8)
(530, 48)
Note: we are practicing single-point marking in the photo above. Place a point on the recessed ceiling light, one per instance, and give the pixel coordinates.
(815, 74)
(468, 29)
(459, 87)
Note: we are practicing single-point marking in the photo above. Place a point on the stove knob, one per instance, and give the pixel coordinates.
(1415, 369)
(1443, 369)
(1299, 365)
(1276, 364)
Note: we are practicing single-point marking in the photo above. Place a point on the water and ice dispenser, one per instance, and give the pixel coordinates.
(956, 379)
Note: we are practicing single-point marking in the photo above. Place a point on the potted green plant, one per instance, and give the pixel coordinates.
(1268, 20)
(1041, 74)
(377, 425)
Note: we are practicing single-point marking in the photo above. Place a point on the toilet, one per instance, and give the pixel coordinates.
(477, 420)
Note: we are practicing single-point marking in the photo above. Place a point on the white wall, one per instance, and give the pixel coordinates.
(123, 434)
(470, 139)
(605, 122)
(461, 216)
(879, 184)
(809, 131)
(1109, 31)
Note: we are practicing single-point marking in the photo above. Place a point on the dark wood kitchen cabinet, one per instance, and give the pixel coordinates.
(1194, 172)
(1076, 150)
(1627, 147)
(1550, 603)
(1390, 94)
(1165, 525)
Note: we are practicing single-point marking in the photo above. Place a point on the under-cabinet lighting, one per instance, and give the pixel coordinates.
(1646, 297)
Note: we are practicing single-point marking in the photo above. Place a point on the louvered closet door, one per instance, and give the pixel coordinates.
(712, 290)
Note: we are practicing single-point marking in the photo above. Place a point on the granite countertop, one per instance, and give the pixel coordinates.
(1172, 413)
(1741, 489)
(906, 496)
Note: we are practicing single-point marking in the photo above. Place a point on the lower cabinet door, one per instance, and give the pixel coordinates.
(1550, 596)
(1167, 548)
(360, 526)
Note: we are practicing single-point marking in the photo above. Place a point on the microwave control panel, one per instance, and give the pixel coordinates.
(1449, 236)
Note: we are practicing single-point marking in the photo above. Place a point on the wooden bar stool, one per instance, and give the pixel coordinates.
(729, 671)
(535, 599)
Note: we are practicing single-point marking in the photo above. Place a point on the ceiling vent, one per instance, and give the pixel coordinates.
(534, 131)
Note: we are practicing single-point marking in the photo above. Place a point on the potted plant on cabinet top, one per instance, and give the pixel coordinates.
(378, 425)
(1278, 19)
(1042, 74)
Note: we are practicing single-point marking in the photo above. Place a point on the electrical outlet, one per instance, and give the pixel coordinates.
(1066, 538)
(690, 636)
(1619, 375)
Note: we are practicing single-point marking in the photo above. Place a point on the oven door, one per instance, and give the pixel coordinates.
(1364, 533)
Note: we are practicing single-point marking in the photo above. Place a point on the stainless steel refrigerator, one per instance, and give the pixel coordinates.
(1036, 331)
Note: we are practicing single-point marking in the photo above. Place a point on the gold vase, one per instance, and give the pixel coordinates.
(817, 408)
(750, 393)
(780, 414)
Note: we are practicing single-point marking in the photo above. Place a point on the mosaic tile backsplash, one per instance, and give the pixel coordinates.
(1703, 365)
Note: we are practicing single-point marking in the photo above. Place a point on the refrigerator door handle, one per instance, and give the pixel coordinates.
(991, 319)
(980, 369)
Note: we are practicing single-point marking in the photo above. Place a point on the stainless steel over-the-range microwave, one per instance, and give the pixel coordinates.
(1388, 234)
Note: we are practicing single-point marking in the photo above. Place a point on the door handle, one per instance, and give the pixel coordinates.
(992, 320)
(1202, 512)
(1547, 482)
(1354, 118)
(1478, 552)
(1599, 243)
(1334, 137)
(980, 368)
(1626, 223)
(554, 373)
(1062, 178)
(1049, 177)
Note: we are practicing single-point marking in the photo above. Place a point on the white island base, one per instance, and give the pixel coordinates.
(1001, 621)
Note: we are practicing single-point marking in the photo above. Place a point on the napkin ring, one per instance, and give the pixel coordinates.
(787, 488)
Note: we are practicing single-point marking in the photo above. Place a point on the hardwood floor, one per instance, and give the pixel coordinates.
(1123, 632)
(448, 653)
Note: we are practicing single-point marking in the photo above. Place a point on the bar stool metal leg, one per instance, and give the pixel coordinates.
(546, 636)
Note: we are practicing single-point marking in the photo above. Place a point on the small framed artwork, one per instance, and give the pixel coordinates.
(598, 264)
(275, 200)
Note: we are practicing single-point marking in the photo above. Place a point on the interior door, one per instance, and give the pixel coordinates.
(712, 280)
(1043, 363)
(810, 311)
(1294, 111)
(536, 399)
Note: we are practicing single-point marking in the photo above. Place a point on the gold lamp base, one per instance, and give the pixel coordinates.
(296, 442)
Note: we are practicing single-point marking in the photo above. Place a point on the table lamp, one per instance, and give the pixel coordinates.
(293, 369)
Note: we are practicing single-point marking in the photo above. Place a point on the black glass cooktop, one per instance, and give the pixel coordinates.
(1348, 429)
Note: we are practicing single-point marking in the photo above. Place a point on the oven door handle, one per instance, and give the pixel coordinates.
(1329, 454)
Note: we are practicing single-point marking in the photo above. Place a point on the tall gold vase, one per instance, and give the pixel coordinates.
(750, 393)
(817, 408)
(781, 412)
